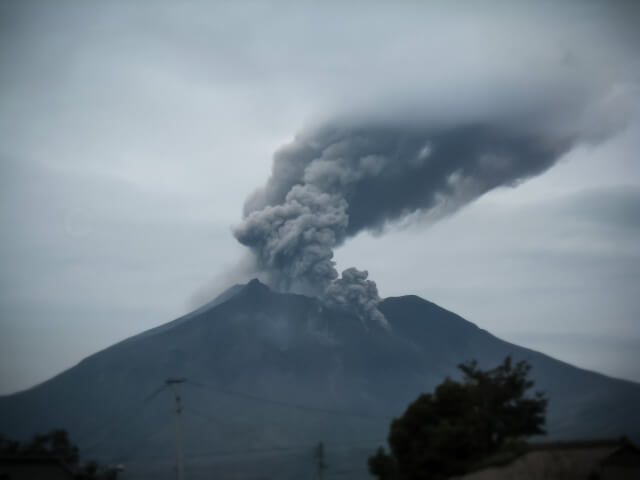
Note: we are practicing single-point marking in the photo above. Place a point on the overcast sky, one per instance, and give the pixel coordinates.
(132, 133)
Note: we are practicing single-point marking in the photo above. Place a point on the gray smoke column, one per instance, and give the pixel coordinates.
(334, 181)
(353, 292)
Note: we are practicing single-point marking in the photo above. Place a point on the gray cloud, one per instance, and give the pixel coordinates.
(145, 127)
(619, 207)
(353, 292)
(333, 182)
(566, 263)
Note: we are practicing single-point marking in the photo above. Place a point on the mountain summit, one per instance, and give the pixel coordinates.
(269, 375)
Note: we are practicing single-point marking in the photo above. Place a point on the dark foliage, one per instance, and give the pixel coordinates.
(460, 424)
(56, 444)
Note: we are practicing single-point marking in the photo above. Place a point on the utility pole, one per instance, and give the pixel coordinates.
(174, 384)
(320, 456)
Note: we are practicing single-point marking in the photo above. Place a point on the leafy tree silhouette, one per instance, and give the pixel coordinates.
(56, 444)
(460, 424)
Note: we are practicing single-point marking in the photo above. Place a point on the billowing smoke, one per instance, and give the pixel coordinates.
(353, 292)
(335, 181)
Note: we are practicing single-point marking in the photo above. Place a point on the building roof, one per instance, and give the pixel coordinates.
(559, 460)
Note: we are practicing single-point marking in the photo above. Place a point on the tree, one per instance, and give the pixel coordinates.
(449, 431)
(56, 444)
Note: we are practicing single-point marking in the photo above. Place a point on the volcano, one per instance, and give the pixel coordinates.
(263, 377)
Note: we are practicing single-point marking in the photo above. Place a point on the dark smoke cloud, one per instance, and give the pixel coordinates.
(353, 292)
(294, 240)
(335, 181)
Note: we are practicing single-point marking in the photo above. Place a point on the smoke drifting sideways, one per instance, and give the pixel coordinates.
(336, 180)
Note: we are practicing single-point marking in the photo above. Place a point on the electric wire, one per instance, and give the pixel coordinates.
(279, 451)
(295, 406)
(121, 415)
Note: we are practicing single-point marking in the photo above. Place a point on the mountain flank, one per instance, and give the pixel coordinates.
(269, 375)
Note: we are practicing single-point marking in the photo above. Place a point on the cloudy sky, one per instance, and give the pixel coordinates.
(132, 134)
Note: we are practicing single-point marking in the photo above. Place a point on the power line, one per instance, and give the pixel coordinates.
(344, 472)
(143, 441)
(284, 404)
(282, 450)
(247, 429)
(109, 424)
(279, 451)
(319, 453)
(254, 451)
(259, 451)
(155, 393)
(208, 418)
(174, 384)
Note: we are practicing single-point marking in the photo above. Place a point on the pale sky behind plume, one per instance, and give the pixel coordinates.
(132, 133)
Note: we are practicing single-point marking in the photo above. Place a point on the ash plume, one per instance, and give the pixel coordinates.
(333, 182)
(353, 292)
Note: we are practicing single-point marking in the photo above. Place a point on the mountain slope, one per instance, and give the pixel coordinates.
(270, 375)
